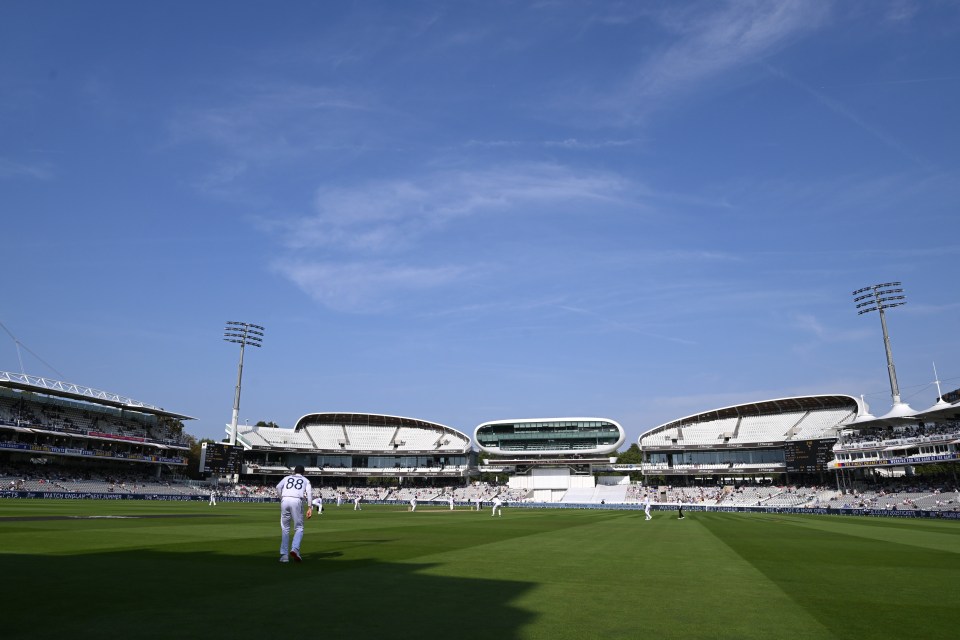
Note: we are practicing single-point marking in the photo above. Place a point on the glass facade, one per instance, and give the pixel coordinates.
(737, 456)
(388, 462)
(549, 435)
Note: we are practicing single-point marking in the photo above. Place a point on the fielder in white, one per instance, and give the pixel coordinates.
(318, 503)
(339, 499)
(356, 504)
(646, 508)
(213, 498)
(497, 507)
(450, 500)
(293, 491)
(477, 500)
(413, 504)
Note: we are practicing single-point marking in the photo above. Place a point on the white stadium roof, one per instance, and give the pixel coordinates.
(764, 422)
(46, 386)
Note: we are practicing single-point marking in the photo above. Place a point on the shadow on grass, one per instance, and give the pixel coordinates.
(855, 586)
(152, 594)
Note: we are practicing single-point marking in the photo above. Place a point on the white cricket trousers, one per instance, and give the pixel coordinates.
(291, 510)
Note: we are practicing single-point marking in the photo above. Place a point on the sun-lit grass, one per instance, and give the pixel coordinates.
(387, 573)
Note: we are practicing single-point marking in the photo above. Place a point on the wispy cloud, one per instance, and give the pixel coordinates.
(847, 114)
(576, 143)
(810, 324)
(565, 143)
(266, 122)
(930, 309)
(364, 286)
(391, 215)
(708, 43)
(11, 169)
(901, 10)
(611, 324)
(849, 195)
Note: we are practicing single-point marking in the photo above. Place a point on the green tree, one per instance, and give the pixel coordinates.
(631, 456)
(270, 424)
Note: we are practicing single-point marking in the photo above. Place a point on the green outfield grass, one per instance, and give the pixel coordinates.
(387, 573)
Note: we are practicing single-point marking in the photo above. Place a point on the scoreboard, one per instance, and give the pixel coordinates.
(220, 458)
(808, 456)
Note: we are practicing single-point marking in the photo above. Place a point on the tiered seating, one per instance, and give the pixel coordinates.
(453, 442)
(327, 436)
(578, 495)
(474, 491)
(369, 438)
(611, 494)
(938, 501)
(795, 498)
(94, 486)
(12, 413)
(708, 432)
(416, 439)
(749, 496)
(63, 416)
(252, 437)
(816, 423)
(8, 413)
(424, 494)
(766, 428)
(285, 438)
(660, 437)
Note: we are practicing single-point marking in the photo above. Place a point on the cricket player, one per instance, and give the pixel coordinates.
(477, 501)
(646, 507)
(413, 504)
(450, 500)
(213, 498)
(356, 503)
(339, 498)
(497, 507)
(294, 490)
(318, 503)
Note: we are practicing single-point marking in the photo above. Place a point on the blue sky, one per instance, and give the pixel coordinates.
(467, 211)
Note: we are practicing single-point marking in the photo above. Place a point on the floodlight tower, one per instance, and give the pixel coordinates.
(243, 333)
(880, 297)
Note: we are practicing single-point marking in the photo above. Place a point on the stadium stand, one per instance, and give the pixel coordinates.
(334, 446)
(46, 421)
(762, 439)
